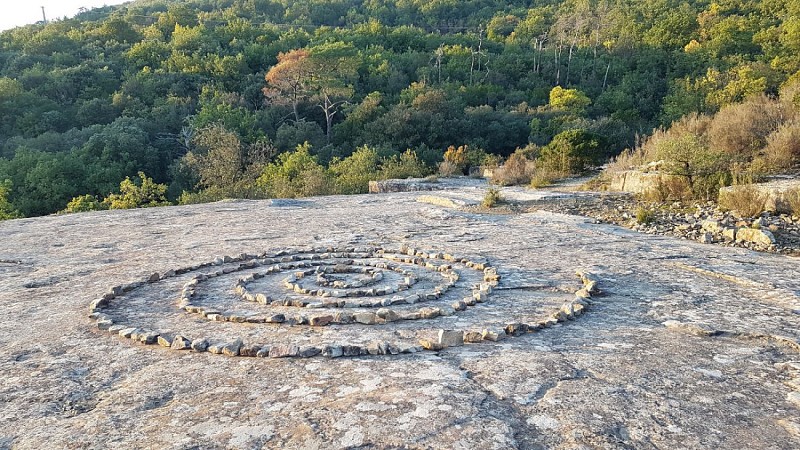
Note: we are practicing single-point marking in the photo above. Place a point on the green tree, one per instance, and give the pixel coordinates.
(144, 194)
(6, 209)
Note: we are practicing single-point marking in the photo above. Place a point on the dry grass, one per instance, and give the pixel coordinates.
(745, 200)
(517, 170)
(793, 200)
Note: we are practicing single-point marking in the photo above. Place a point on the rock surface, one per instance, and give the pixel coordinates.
(687, 346)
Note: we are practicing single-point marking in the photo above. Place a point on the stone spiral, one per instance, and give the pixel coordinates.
(325, 288)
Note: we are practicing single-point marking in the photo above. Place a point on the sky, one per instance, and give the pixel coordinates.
(14, 13)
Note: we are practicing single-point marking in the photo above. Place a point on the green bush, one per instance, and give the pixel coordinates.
(572, 152)
(407, 165)
(145, 194)
(6, 209)
(353, 174)
(644, 216)
(295, 174)
(492, 198)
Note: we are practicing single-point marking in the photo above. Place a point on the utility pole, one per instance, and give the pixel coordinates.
(44, 17)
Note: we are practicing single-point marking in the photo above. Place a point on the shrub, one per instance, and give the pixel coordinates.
(448, 169)
(745, 200)
(644, 216)
(352, 174)
(543, 177)
(144, 194)
(517, 170)
(84, 203)
(456, 157)
(669, 189)
(793, 201)
(407, 165)
(294, 174)
(6, 209)
(492, 198)
(741, 130)
(783, 147)
(572, 151)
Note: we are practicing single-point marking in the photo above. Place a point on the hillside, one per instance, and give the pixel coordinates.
(173, 88)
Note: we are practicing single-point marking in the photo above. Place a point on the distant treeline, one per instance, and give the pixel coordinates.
(213, 97)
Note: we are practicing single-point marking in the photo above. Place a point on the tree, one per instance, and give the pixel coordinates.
(144, 194)
(322, 75)
(217, 157)
(6, 209)
(571, 100)
(289, 81)
(572, 151)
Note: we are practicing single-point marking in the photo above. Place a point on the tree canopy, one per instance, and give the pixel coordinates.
(202, 95)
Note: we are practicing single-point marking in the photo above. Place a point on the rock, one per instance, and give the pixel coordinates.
(450, 338)
(332, 351)
(706, 238)
(407, 185)
(308, 352)
(351, 350)
(180, 343)
(388, 315)
(147, 337)
(446, 310)
(473, 336)
(516, 329)
(199, 345)
(233, 348)
(276, 318)
(284, 351)
(429, 313)
(729, 234)
(263, 352)
(320, 321)
(759, 237)
(459, 305)
(444, 201)
(216, 348)
(164, 341)
(695, 329)
(378, 348)
(428, 344)
(711, 225)
(366, 318)
(493, 334)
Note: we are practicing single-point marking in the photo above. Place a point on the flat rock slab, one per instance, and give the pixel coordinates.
(689, 345)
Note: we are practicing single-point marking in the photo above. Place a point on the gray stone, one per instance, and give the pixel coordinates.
(181, 343)
(351, 350)
(516, 329)
(759, 237)
(309, 351)
(493, 334)
(232, 349)
(450, 338)
(200, 345)
(284, 351)
(320, 321)
(366, 318)
(164, 341)
(388, 315)
(332, 351)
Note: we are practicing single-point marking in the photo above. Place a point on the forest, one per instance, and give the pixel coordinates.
(158, 101)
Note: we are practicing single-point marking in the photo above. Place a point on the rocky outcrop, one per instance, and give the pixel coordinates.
(407, 185)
